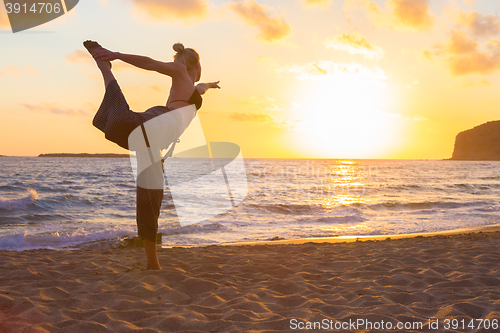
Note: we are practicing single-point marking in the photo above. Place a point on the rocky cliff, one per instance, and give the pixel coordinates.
(481, 143)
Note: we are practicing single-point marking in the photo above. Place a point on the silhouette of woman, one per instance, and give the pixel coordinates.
(117, 121)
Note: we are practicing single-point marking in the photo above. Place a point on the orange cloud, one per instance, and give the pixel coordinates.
(481, 25)
(460, 43)
(477, 62)
(399, 14)
(168, 9)
(463, 55)
(468, 51)
(413, 14)
(272, 28)
(354, 44)
(16, 71)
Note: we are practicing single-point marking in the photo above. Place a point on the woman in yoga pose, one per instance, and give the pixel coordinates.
(117, 121)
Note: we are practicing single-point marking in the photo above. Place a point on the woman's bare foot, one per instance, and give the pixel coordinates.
(151, 254)
(154, 268)
(91, 46)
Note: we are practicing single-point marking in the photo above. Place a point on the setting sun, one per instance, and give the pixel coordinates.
(342, 110)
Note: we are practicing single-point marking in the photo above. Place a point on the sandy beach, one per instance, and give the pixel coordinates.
(265, 288)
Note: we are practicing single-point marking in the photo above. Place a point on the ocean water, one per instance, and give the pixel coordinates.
(71, 203)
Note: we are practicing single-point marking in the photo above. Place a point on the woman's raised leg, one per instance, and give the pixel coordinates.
(104, 66)
(106, 71)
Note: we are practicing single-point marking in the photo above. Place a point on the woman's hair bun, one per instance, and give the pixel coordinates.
(178, 47)
(186, 56)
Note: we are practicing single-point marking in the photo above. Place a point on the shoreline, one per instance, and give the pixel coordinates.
(135, 241)
(350, 239)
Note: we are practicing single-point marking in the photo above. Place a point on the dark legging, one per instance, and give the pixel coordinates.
(148, 211)
(149, 203)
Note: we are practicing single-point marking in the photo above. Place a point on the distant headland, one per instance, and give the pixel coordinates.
(481, 143)
(86, 155)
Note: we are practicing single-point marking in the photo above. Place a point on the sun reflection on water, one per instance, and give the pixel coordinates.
(345, 185)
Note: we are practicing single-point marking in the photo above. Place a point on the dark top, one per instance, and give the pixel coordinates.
(194, 99)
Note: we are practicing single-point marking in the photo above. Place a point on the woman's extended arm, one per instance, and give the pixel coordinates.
(167, 68)
(203, 87)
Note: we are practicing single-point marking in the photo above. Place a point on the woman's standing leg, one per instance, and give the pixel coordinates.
(148, 210)
(151, 255)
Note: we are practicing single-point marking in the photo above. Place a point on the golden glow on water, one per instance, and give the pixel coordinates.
(342, 229)
(345, 185)
(339, 200)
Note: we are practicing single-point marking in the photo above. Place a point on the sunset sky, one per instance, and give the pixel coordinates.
(299, 78)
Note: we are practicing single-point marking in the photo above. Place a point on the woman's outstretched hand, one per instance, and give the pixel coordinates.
(203, 87)
(104, 54)
(213, 85)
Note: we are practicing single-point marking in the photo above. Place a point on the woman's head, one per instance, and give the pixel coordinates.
(188, 57)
